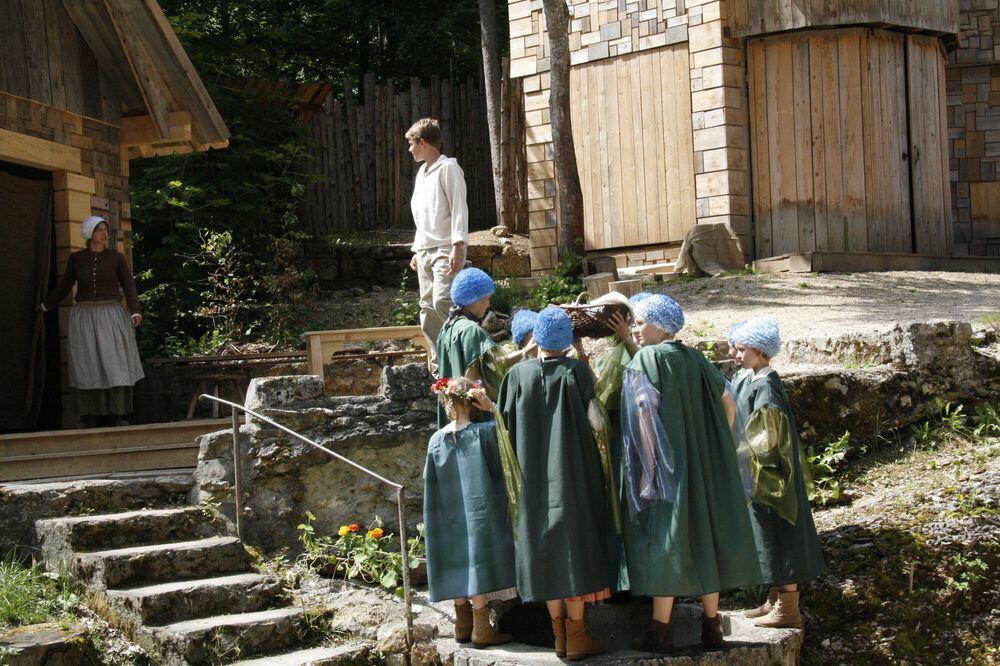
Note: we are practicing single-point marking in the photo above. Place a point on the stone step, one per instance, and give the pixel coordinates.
(165, 603)
(225, 638)
(352, 654)
(185, 560)
(61, 536)
(25, 503)
(616, 626)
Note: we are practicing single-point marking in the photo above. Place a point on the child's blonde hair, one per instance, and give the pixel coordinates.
(454, 395)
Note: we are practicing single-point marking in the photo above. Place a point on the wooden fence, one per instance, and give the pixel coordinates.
(365, 174)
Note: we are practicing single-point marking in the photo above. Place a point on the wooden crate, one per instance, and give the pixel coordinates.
(322, 345)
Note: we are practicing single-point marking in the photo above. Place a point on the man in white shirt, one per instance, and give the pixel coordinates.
(441, 216)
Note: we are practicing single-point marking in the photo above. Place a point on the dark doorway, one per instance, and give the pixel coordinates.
(29, 364)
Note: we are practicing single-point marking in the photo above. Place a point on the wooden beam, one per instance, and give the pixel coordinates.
(154, 91)
(38, 153)
(64, 180)
(141, 130)
(209, 127)
(90, 19)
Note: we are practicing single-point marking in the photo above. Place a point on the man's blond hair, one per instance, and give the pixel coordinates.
(427, 129)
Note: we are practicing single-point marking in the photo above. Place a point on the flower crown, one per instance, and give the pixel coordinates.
(443, 388)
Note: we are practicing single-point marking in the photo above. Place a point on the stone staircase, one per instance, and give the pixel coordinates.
(182, 584)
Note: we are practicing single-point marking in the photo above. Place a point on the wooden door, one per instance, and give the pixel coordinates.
(828, 142)
(631, 120)
(929, 146)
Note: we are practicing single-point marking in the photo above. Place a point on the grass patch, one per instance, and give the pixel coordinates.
(30, 595)
(989, 319)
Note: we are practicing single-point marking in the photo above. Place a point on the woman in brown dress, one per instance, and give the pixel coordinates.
(103, 358)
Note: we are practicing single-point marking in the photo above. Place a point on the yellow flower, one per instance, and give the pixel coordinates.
(344, 529)
(375, 533)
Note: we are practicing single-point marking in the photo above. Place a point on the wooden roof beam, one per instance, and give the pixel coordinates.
(155, 91)
(141, 130)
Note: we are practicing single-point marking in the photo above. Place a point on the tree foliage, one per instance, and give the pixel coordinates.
(217, 239)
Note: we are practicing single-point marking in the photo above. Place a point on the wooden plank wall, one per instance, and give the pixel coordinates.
(929, 145)
(759, 17)
(363, 171)
(636, 162)
(43, 58)
(831, 156)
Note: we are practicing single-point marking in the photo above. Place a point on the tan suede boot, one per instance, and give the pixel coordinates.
(764, 608)
(784, 614)
(484, 634)
(463, 623)
(579, 644)
(559, 629)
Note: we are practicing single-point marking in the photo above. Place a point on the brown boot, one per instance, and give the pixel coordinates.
(764, 608)
(559, 629)
(659, 638)
(463, 622)
(579, 644)
(711, 632)
(784, 614)
(484, 634)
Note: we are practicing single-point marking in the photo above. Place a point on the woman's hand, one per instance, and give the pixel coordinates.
(619, 325)
(136, 320)
(482, 401)
(580, 353)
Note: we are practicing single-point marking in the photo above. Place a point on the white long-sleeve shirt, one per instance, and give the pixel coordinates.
(440, 211)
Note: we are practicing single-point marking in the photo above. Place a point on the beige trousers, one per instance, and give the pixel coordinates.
(435, 295)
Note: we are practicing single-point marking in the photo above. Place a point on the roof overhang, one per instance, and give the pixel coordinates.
(166, 107)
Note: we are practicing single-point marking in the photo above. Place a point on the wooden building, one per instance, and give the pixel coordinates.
(808, 126)
(85, 87)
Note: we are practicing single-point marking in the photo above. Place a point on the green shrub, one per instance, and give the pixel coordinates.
(362, 554)
(563, 285)
(506, 297)
(825, 467)
(407, 312)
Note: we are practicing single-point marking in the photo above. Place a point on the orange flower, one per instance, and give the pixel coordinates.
(353, 527)
(375, 533)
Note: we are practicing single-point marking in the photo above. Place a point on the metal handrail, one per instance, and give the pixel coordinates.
(400, 494)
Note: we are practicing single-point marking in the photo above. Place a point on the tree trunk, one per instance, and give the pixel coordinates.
(563, 154)
(491, 77)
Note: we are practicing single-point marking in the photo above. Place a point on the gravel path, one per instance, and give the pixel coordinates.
(809, 305)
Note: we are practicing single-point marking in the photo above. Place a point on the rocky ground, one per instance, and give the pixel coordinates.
(914, 556)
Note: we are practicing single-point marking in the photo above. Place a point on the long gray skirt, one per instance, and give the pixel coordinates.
(102, 349)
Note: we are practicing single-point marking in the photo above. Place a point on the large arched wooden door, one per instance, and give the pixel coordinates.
(634, 148)
(844, 156)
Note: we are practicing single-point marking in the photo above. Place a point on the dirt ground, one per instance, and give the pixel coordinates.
(809, 305)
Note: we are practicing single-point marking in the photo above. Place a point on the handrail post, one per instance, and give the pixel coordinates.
(237, 472)
(404, 554)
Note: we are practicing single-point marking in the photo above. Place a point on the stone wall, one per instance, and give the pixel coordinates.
(973, 89)
(862, 384)
(284, 477)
